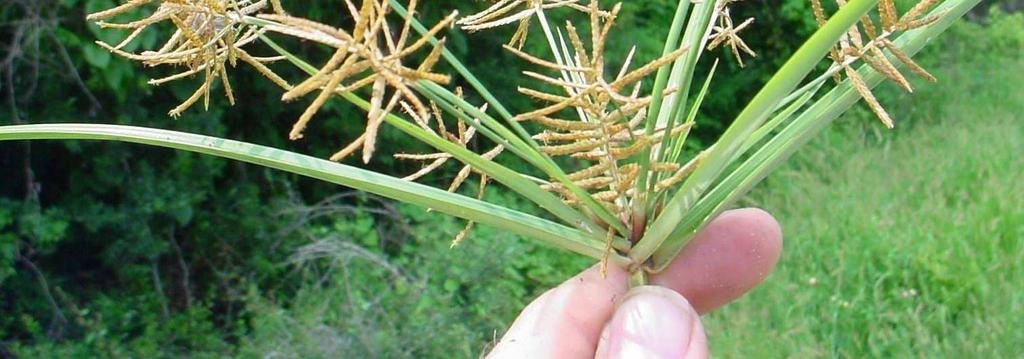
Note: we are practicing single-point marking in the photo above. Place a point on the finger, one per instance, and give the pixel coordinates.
(734, 253)
(653, 322)
(565, 322)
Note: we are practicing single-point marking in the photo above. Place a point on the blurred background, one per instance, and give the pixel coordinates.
(898, 243)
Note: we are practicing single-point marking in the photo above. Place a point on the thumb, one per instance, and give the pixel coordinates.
(653, 322)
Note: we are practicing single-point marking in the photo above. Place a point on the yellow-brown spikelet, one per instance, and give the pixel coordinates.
(548, 136)
(664, 167)
(887, 13)
(117, 10)
(906, 60)
(227, 85)
(681, 173)
(572, 148)
(881, 64)
(564, 125)
(504, 12)
(869, 27)
(557, 82)
(263, 69)
(587, 183)
(336, 77)
(919, 9)
(544, 96)
(605, 196)
(208, 37)
(577, 45)
(376, 117)
(549, 110)
(819, 12)
(541, 62)
(315, 81)
(628, 174)
(904, 26)
(276, 5)
(200, 92)
(647, 69)
(350, 149)
(869, 98)
(590, 171)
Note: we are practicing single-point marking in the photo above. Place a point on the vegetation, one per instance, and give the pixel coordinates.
(400, 282)
(902, 244)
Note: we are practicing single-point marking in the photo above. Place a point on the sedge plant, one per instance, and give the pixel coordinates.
(609, 169)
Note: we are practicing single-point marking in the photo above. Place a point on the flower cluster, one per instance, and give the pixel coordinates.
(209, 34)
(868, 41)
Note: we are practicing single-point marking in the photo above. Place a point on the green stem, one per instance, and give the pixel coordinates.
(759, 108)
(798, 132)
(661, 81)
(638, 278)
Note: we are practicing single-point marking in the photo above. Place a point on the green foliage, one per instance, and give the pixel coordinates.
(225, 241)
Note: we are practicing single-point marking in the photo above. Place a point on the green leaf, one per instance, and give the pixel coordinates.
(759, 108)
(383, 185)
(793, 136)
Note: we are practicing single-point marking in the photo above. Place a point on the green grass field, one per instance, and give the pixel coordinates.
(900, 244)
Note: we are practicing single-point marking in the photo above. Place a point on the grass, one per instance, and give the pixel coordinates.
(899, 244)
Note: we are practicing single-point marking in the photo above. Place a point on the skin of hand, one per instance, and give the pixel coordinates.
(590, 316)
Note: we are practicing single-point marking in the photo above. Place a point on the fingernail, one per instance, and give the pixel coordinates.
(652, 322)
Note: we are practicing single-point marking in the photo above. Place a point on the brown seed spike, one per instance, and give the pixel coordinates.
(590, 171)
(640, 73)
(576, 147)
(314, 107)
(869, 98)
(682, 173)
(819, 12)
(276, 5)
(120, 9)
(919, 22)
(887, 12)
(881, 64)
(906, 60)
(869, 27)
(349, 150)
(263, 69)
(919, 9)
(177, 111)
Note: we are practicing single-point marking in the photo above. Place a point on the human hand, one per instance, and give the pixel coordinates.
(590, 315)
